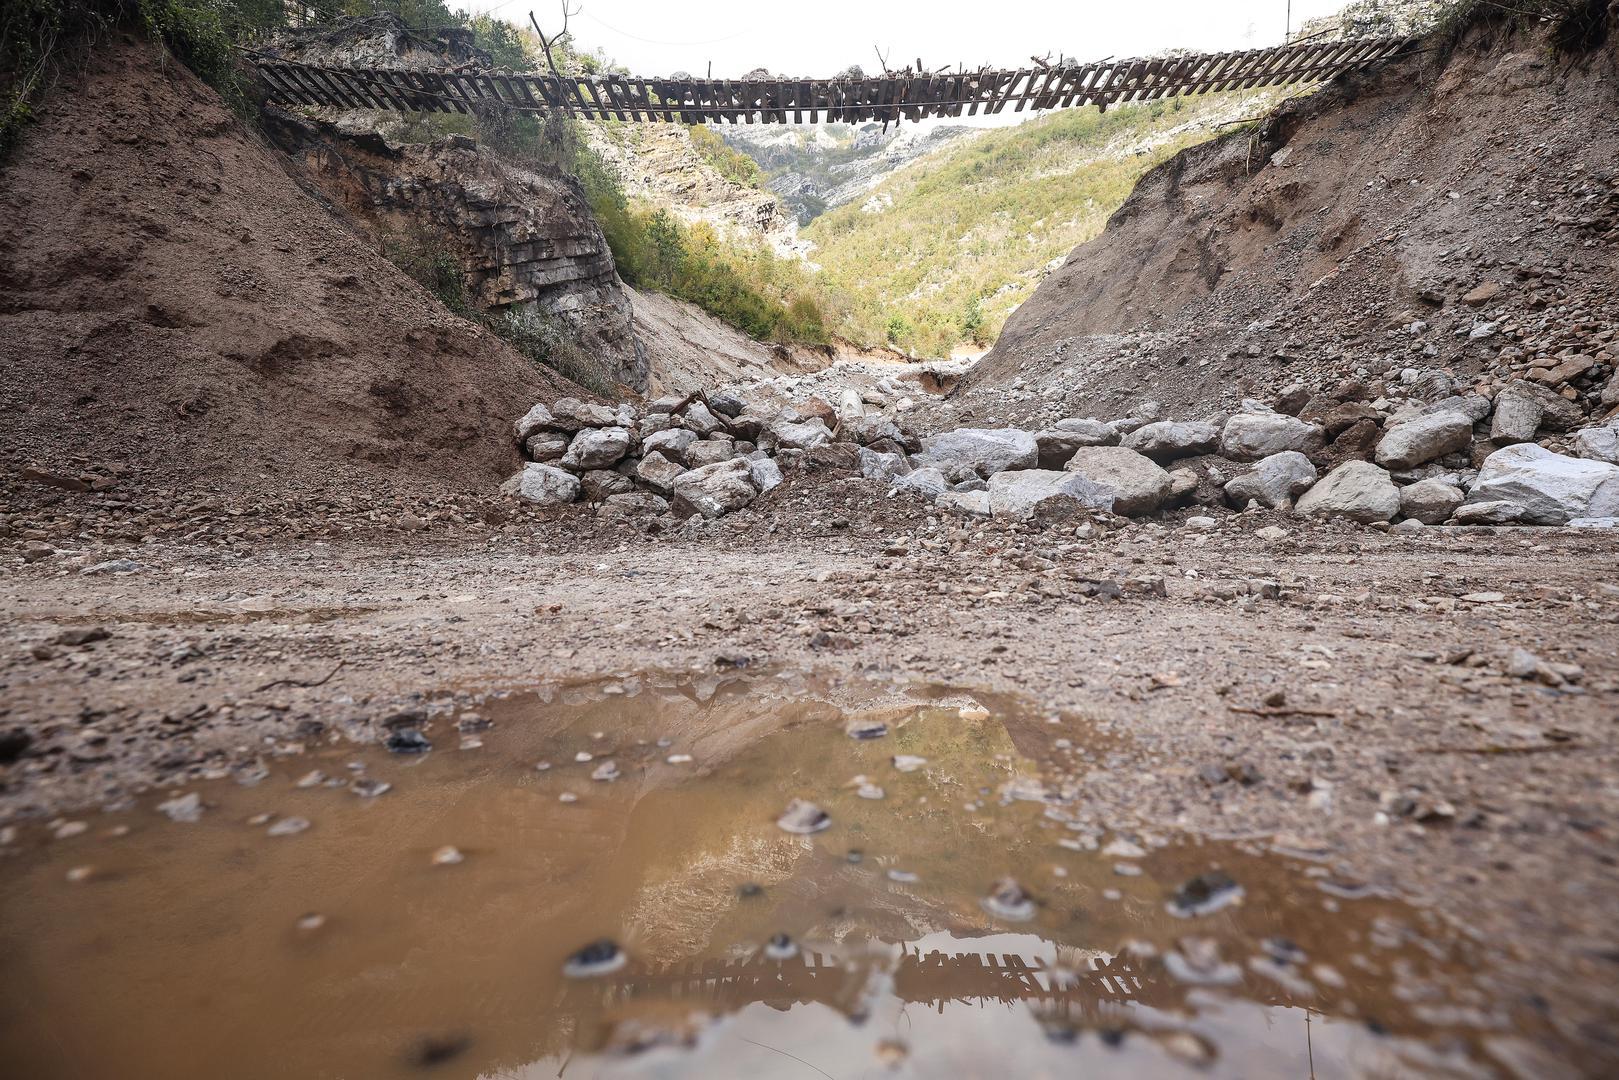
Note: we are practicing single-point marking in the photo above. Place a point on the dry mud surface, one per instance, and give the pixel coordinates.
(1341, 691)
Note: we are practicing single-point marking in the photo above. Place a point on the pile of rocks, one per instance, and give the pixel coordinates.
(1458, 458)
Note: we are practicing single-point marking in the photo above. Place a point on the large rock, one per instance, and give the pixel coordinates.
(1547, 488)
(658, 472)
(875, 465)
(599, 484)
(571, 414)
(672, 443)
(700, 419)
(1526, 403)
(1020, 493)
(543, 485)
(1099, 432)
(1249, 436)
(633, 504)
(764, 472)
(546, 445)
(1357, 490)
(716, 489)
(1056, 445)
(596, 448)
(1167, 440)
(709, 451)
(1417, 441)
(1275, 482)
(971, 503)
(985, 451)
(1430, 501)
(536, 419)
(1138, 485)
(806, 435)
(1599, 444)
(925, 483)
(866, 430)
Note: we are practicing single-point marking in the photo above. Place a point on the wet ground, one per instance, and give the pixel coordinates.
(614, 879)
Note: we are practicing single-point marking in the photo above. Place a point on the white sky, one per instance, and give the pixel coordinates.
(817, 38)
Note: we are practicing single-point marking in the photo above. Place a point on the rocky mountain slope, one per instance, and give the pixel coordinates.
(818, 168)
(175, 307)
(1456, 211)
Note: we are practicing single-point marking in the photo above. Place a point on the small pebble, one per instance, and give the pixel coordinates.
(597, 958)
(311, 922)
(607, 770)
(583, 756)
(80, 873)
(288, 826)
(69, 829)
(567, 797)
(448, 855)
(909, 762)
(678, 759)
(781, 947)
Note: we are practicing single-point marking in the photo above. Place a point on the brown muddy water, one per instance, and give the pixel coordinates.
(296, 928)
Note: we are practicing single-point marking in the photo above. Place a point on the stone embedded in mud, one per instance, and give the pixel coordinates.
(1197, 961)
(288, 826)
(1138, 485)
(803, 817)
(448, 855)
(607, 770)
(186, 808)
(781, 947)
(1008, 900)
(716, 489)
(599, 485)
(880, 466)
(1357, 490)
(598, 958)
(865, 729)
(908, 762)
(367, 788)
(1204, 895)
(408, 741)
(985, 451)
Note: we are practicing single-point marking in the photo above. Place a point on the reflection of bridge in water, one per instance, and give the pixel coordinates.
(933, 978)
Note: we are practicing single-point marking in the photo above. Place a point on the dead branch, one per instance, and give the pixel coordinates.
(300, 682)
(1281, 710)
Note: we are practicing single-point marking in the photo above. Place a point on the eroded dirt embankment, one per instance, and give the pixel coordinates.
(175, 307)
(1457, 208)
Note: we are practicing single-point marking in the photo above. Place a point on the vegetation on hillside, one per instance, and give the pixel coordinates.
(942, 251)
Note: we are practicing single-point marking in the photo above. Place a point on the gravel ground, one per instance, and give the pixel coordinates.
(1347, 691)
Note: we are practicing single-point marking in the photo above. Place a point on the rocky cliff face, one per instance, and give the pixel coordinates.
(658, 164)
(525, 240)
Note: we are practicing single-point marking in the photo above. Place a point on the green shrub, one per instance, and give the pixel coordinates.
(731, 164)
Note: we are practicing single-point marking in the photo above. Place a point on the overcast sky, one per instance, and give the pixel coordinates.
(821, 37)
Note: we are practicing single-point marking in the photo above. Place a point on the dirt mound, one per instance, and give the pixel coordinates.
(1457, 208)
(175, 308)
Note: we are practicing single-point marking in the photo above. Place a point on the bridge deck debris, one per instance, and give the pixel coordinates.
(886, 98)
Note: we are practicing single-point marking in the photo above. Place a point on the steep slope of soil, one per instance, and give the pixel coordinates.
(174, 307)
(1309, 247)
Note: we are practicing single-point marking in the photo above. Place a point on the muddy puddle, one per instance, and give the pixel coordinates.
(597, 882)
